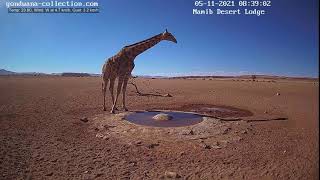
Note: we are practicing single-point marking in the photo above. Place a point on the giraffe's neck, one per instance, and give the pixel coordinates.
(144, 45)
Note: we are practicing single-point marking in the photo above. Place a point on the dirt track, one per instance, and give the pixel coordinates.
(41, 136)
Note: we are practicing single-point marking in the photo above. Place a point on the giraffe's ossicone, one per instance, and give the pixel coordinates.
(121, 65)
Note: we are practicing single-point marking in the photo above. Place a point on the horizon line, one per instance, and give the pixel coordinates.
(199, 74)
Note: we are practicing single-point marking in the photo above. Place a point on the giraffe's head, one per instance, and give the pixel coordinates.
(168, 36)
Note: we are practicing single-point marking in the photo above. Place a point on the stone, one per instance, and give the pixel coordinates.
(84, 119)
(191, 132)
(100, 135)
(169, 174)
(215, 147)
(188, 132)
(237, 139)
(225, 131)
(206, 146)
(162, 117)
(244, 132)
(105, 138)
(215, 143)
(151, 146)
(49, 174)
(133, 163)
(108, 127)
(138, 143)
(99, 175)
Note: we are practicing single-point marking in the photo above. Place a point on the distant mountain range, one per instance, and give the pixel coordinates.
(5, 72)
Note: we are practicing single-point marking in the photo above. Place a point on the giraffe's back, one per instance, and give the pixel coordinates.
(118, 65)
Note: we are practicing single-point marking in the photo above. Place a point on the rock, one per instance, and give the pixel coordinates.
(225, 131)
(266, 112)
(244, 132)
(49, 174)
(167, 95)
(28, 176)
(138, 143)
(191, 132)
(187, 132)
(133, 163)
(237, 139)
(278, 94)
(100, 135)
(215, 143)
(107, 127)
(84, 119)
(151, 146)
(162, 117)
(169, 174)
(99, 175)
(206, 146)
(215, 147)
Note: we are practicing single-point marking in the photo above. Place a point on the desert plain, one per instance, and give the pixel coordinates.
(48, 130)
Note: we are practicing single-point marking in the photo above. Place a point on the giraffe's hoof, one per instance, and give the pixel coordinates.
(104, 109)
(125, 109)
(112, 111)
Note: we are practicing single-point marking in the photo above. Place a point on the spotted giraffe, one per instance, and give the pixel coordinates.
(121, 65)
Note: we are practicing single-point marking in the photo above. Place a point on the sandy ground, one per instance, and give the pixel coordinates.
(42, 137)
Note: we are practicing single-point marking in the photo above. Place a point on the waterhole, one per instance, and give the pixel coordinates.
(177, 119)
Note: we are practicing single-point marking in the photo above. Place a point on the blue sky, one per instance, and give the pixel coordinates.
(283, 42)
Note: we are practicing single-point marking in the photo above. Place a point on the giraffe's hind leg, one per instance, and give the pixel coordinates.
(124, 88)
(105, 80)
(104, 89)
(112, 80)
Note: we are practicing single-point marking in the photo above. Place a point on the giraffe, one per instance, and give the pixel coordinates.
(121, 65)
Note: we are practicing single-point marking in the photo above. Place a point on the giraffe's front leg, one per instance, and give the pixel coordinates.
(124, 88)
(120, 82)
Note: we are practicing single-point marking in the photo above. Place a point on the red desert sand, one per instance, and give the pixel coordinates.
(54, 128)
